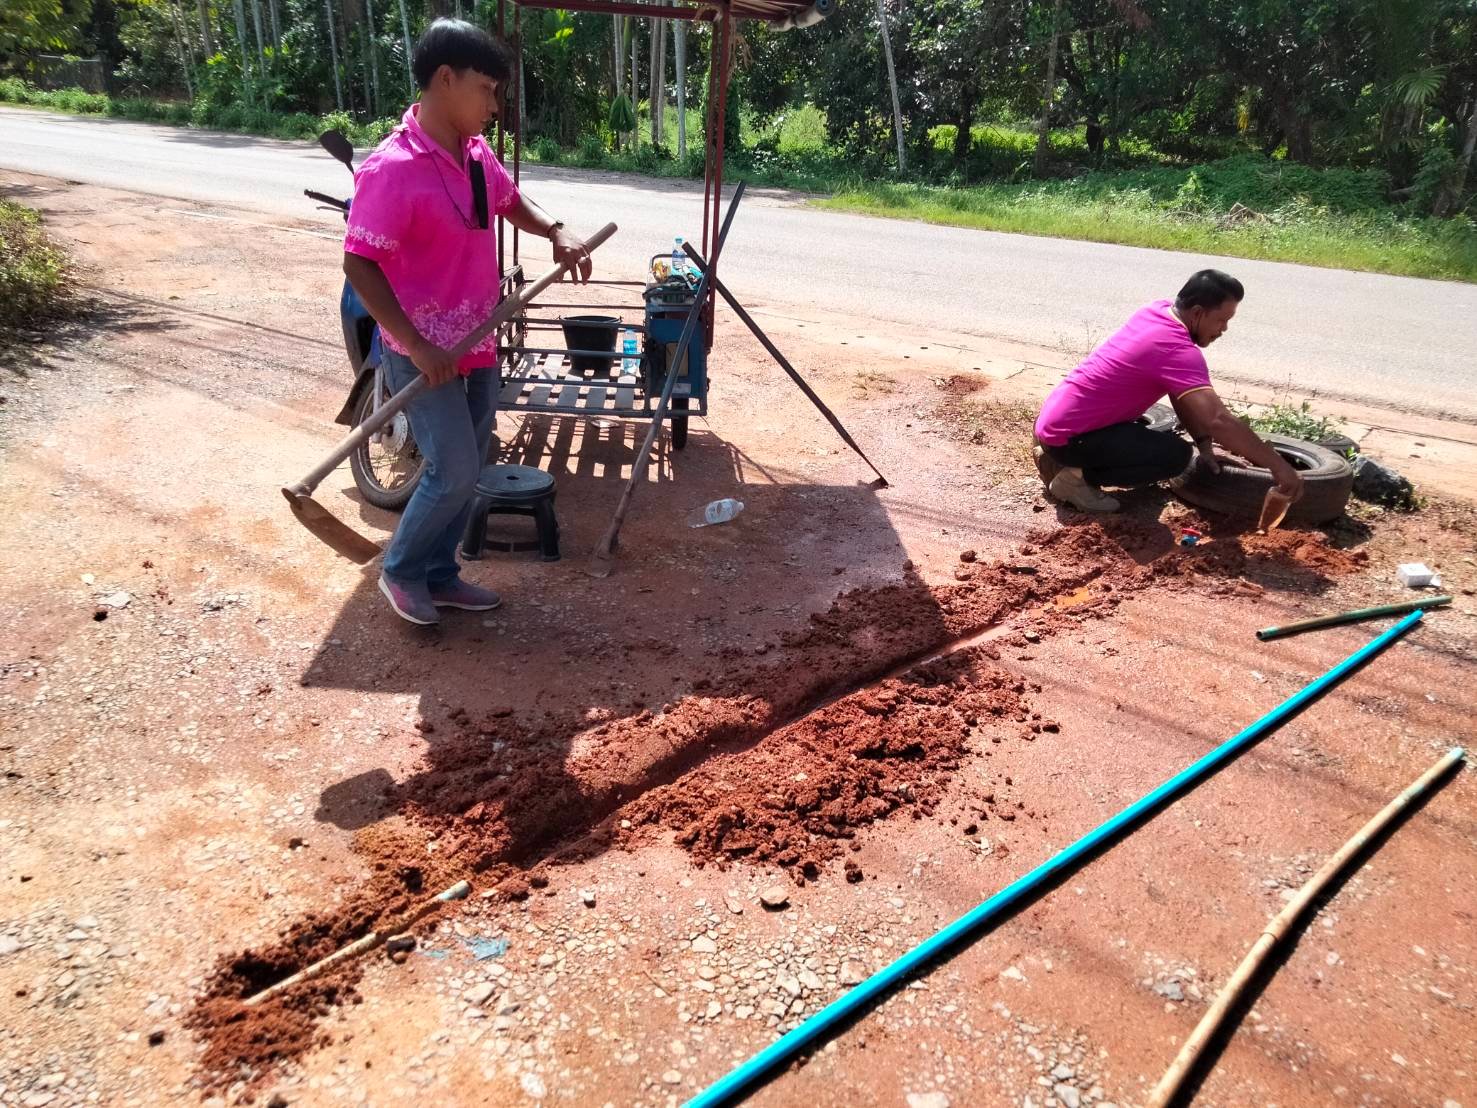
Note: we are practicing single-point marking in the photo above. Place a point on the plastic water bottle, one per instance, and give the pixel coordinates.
(679, 258)
(719, 511)
(630, 355)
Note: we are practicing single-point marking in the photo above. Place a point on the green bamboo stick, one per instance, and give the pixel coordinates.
(1355, 616)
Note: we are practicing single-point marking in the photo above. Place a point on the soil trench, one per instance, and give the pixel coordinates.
(780, 758)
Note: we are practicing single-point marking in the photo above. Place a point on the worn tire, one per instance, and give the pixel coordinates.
(1239, 490)
(679, 422)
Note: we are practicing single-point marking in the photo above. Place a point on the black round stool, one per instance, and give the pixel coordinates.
(513, 490)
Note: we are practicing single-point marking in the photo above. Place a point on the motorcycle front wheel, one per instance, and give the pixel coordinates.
(388, 467)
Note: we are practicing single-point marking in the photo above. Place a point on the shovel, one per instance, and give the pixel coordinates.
(323, 523)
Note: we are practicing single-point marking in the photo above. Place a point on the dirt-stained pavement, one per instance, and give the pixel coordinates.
(222, 756)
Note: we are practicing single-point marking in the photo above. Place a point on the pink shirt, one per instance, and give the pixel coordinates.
(1148, 357)
(411, 211)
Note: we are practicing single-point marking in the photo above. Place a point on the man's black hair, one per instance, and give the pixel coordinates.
(461, 45)
(1209, 289)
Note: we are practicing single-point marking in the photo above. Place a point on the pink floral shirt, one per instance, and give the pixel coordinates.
(414, 216)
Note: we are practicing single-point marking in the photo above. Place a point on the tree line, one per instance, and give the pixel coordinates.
(904, 85)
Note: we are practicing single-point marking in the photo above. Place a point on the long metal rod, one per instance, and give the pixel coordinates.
(602, 7)
(533, 323)
(784, 1048)
(783, 362)
(613, 355)
(725, 27)
(1266, 634)
(1277, 930)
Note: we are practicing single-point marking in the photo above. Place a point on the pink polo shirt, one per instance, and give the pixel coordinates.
(414, 216)
(1148, 357)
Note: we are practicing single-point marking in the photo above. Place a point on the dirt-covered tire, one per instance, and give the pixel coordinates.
(679, 422)
(1239, 490)
(1160, 417)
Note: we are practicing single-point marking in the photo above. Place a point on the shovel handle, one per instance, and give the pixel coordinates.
(392, 407)
(356, 438)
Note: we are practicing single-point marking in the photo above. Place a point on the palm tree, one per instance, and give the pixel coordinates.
(679, 37)
(203, 7)
(1043, 135)
(897, 111)
(338, 91)
(241, 42)
(405, 34)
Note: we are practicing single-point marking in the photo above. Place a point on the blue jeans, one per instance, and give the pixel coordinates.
(452, 426)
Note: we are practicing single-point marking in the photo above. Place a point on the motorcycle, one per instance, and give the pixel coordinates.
(388, 466)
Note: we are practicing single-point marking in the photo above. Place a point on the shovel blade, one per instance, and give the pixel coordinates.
(600, 564)
(338, 535)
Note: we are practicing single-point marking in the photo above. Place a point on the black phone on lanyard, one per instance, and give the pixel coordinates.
(479, 194)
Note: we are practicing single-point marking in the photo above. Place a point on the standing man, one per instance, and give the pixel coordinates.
(1087, 434)
(421, 252)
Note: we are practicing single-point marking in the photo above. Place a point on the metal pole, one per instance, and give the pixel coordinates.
(709, 140)
(502, 224)
(879, 983)
(517, 115)
(726, 55)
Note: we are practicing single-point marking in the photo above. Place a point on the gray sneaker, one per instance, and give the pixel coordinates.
(411, 602)
(1070, 487)
(465, 595)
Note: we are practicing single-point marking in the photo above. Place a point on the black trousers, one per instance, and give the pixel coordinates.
(1125, 455)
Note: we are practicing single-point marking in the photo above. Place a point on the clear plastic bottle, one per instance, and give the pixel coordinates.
(630, 353)
(719, 511)
(679, 258)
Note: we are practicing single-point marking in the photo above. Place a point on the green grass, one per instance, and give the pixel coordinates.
(33, 271)
(231, 117)
(1295, 420)
(1334, 218)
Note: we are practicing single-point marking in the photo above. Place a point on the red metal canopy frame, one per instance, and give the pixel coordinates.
(721, 13)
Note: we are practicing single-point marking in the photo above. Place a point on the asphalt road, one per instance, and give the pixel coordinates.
(1393, 341)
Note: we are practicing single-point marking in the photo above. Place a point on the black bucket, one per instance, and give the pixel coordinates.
(590, 332)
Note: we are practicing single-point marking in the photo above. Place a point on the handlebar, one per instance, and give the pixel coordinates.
(341, 205)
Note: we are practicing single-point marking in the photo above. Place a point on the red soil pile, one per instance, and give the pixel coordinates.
(803, 790)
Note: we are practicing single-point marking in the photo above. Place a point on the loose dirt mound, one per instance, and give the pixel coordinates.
(805, 789)
(738, 770)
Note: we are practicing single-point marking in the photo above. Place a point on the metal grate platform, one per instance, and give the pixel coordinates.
(547, 383)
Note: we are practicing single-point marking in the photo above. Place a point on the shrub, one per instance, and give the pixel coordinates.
(33, 270)
(590, 151)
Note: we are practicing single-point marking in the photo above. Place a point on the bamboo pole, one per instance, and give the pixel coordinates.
(1266, 634)
(460, 891)
(1189, 1055)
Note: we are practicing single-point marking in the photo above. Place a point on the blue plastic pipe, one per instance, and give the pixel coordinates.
(848, 1004)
